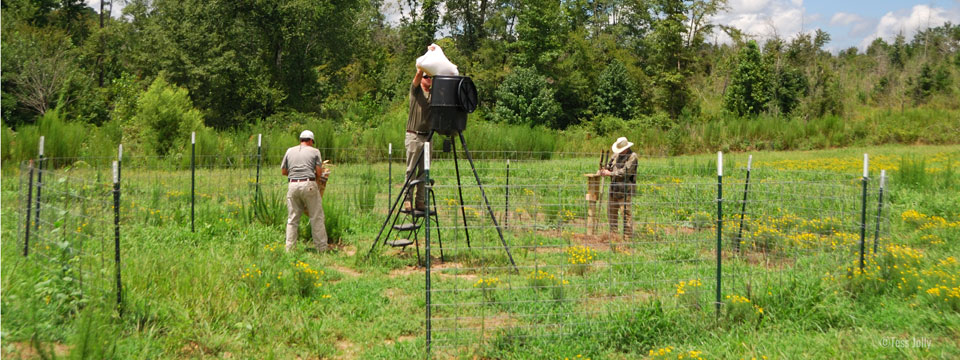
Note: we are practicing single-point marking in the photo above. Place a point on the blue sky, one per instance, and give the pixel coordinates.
(849, 22)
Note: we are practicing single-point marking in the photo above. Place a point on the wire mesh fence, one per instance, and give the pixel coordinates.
(567, 266)
(67, 227)
(531, 256)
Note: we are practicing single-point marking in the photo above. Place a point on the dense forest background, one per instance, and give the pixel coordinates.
(553, 75)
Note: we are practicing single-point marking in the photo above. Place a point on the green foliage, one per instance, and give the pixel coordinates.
(164, 119)
(616, 92)
(62, 139)
(749, 90)
(788, 89)
(929, 81)
(608, 125)
(365, 194)
(526, 97)
(6, 144)
(337, 218)
(826, 96)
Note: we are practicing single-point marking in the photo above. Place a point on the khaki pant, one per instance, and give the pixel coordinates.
(414, 144)
(618, 202)
(302, 196)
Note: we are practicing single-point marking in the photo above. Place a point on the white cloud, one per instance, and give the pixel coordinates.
(842, 18)
(749, 6)
(391, 12)
(117, 9)
(859, 26)
(765, 19)
(910, 21)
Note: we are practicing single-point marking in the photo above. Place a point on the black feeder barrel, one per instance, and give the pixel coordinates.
(452, 98)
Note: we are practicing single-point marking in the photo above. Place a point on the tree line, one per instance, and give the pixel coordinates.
(603, 64)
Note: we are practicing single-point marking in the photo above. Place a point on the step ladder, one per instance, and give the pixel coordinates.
(407, 232)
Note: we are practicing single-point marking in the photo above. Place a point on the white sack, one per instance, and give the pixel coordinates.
(434, 62)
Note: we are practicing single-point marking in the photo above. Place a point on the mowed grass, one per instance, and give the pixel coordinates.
(229, 290)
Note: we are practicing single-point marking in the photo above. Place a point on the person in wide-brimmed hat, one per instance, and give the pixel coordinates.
(622, 171)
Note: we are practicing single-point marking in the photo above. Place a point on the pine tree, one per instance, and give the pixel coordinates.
(749, 89)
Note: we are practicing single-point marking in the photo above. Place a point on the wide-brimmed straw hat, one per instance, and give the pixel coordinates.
(620, 145)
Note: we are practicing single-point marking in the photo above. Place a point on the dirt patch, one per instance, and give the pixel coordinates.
(595, 302)
(405, 271)
(346, 271)
(348, 250)
(348, 350)
(454, 270)
(674, 230)
(395, 295)
(436, 266)
(488, 323)
(402, 338)
(190, 348)
(24, 350)
(767, 260)
(470, 277)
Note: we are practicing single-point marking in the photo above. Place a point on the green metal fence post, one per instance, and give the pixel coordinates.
(719, 226)
(863, 212)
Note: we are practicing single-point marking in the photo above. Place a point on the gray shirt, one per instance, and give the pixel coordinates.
(301, 162)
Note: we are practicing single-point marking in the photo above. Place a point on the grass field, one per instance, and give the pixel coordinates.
(228, 290)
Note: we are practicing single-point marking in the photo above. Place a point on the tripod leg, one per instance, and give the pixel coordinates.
(406, 185)
(487, 202)
(463, 212)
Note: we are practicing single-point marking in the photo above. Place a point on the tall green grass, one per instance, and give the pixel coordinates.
(368, 134)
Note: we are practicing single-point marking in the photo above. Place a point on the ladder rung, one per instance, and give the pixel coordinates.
(400, 242)
(406, 227)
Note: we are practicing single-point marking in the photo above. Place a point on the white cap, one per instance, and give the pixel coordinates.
(306, 134)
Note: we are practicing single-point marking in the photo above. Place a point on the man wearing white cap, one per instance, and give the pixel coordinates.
(622, 171)
(302, 166)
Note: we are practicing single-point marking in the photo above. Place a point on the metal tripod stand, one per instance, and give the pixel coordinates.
(394, 212)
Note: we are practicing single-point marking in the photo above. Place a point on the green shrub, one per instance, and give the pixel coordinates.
(6, 141)
(913, 172)
(61, 139)
(526, 97)
(164, 119)
(608, 125)
(365, 194)
(336, 218)
(616, 92)
(748, 93)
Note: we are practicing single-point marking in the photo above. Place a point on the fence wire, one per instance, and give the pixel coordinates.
(564, 269)
(560, 270)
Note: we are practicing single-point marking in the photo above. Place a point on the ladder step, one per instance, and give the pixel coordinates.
(406, 227)
(400, 242)
(416, 213)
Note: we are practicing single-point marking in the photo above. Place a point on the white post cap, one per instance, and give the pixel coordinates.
(259, 139)
(719, 163)
(883, 178)
(193, 138)
(866, 164)
(116, 173)
(426, 156)
(40, 150)
(749, 162)
(120, 152)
